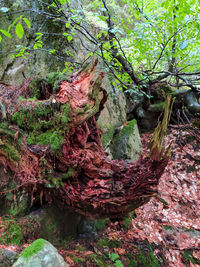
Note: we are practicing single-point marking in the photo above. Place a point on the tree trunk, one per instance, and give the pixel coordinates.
(53, 147)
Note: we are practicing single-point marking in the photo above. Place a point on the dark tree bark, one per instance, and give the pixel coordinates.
(53, 148)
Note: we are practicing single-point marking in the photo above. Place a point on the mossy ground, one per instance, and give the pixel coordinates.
(10, 231)
(113, 252)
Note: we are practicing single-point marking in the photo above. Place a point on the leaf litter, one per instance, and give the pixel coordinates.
(169, 222)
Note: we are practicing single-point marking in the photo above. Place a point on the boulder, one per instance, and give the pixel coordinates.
(40, 254)
(126, 142)
(7, 257)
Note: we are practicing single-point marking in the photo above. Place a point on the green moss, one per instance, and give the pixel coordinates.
(45, 125)
(97, 260)
(144, 259)
(100, 224)
(188, 257)
(54, 78)
(9, 145)
(54, 138)
(168, 227)
(128, 220)
(78, 259)
(11, 151)
(68, 174)
(34, 248)
(157, 107)
(12, 232)
(81, 248)
(107, 136)
(128, 128)
(108, 243)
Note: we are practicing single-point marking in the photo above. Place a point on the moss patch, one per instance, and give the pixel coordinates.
(107, 136)
(45, 123)
(34, 248)
(9, 145)
(144, 259)
(100, 224)
(12, 233)
(108, 243)
(157, 107)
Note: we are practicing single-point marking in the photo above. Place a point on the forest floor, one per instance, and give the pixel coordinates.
(164, 232)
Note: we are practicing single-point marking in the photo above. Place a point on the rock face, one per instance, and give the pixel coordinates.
(57, 224)
(126, 142)
(40, 254)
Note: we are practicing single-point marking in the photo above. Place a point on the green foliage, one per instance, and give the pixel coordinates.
(34, 248)
(10, 150)
(44, 124)
(19, 30)
(108, 243)
(147, 34)
(8, 145)
(168, 227)
(12, 232)
(98, 260)
(188, 257)
(100, 224)
(144, 259)
(18, 26)
(114, 256)
(78, 259)
(128, 220)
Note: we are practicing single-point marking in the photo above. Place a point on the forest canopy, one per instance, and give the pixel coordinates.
(141, 42)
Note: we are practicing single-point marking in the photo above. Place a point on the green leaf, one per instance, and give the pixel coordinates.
(7, 34)
(0, 38)
(52, 51)
(62, 2)
(67, 25)
(39, 35)
(114, 256)
(19, 30)
(69, 38)
(37, 45)
(118, 263)
(27, 22)
(15, 21)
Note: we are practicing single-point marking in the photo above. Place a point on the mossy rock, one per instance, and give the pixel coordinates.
(126, 142)
(40, 253)
(57, 225)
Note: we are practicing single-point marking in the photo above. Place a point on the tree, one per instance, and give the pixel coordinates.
(157, 40)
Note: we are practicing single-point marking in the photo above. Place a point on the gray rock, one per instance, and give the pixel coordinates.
(7, 257)
(113, 114)
(126, 142)
(40, 254)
